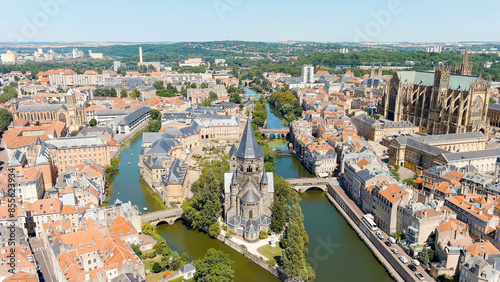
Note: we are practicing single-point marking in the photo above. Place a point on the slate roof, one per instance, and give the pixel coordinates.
(37, 108)
(233, 150)
(250, 197)
(495, 106)
(187, 268)
(17, 159)
(163, 146)
(130, 118)
(423, 78)
(249, 148)
(461, 156)
(178, 172)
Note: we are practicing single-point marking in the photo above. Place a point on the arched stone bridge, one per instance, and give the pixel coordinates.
(278, 133)
(301, 185)
(168, 216)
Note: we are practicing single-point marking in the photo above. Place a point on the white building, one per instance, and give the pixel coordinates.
(9, 58)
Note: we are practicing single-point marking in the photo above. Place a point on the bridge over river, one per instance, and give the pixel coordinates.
(168, 216)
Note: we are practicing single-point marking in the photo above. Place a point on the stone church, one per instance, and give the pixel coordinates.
(439, 102)
(72, 114)
(248, 189)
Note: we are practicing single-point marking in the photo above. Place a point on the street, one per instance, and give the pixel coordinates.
(42, 259)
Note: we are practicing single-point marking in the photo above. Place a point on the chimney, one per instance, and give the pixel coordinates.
(140, 54)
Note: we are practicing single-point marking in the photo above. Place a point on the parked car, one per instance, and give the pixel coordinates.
(379, 235)
(387, 243)
(419, 276)
(403, 259)
(392, 240)
(415, 262)
(394, 251)
(412, 267)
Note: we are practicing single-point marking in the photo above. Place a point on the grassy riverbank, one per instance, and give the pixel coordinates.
(153, 194)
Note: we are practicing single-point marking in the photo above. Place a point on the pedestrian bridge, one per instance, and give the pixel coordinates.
(301, 185)
(168, 216)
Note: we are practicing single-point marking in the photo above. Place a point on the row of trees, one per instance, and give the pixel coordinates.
(286, 104)
(259, 116)
(294, 243)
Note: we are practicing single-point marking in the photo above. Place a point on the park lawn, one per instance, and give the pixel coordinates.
(270, 252)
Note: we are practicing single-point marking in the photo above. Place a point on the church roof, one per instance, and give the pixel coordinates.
(250, 197)
(234, 150)
(235, 176)
(425, 78)
(264, 176)
(249, 148)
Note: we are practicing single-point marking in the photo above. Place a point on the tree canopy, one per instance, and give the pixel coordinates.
(215, 266)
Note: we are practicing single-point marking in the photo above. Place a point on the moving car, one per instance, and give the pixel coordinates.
(379, 235)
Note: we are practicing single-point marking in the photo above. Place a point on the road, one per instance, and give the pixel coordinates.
(359, 214)
(42, 259)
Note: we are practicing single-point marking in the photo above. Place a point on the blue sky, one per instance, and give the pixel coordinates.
(253, 20)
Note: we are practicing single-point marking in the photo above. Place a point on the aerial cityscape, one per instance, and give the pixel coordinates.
(231, 140)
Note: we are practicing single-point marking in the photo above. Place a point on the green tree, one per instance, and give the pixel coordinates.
(153, 126)
(204, 85)
(215, 266)
(423, 256)
(159, 85)
(123, 94)
(8, 93)
(235, 98)
(135, 94)
(5, 119)
(137, 249)
(156, 268)
(294, 263)
(93, 122)
(204, 209)
(193, 85)
(260, 112)
(214, 230)
(155, 114)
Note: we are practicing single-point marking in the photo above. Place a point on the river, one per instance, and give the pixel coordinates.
(335, 250)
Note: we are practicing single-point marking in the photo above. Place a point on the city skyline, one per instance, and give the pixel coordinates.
(369, 21)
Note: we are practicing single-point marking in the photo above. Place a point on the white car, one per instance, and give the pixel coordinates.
(392, 240)
(415, 262)
(403, 259)
(394, 251)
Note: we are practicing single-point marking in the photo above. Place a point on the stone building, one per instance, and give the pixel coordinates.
(439, 102)
(248, 189)
(376, 130)
(70, 113)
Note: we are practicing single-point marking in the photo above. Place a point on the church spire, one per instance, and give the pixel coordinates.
(465, 68)
(249, 148)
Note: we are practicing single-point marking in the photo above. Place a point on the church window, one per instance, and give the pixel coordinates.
(250, 215)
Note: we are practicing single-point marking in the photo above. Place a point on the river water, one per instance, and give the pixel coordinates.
(335, 251)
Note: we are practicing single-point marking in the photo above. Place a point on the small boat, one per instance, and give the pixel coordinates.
(128, 163)
(131, 155)
(145, 209)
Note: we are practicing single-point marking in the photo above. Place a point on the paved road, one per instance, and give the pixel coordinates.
(42, 259)
(353, 207)
(161, 214)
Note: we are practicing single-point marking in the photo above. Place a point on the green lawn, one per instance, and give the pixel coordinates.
(270, 252)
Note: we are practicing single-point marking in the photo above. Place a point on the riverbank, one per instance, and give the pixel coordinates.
(365, 239)
(351, 212)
